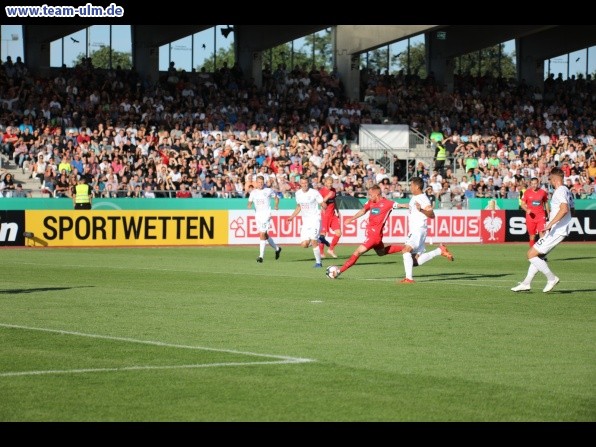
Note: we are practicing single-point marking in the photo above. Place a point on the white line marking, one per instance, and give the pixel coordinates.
(154, 343)
(282, 359)
(138, 368)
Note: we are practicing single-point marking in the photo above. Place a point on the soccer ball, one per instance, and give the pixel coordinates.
(332, 271)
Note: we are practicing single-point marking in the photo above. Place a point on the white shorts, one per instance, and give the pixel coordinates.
(263, 223)
(416, 240)
(310, 230)
(548, 242)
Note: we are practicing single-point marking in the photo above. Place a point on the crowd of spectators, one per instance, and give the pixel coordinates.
(205, 134)
(499, 133)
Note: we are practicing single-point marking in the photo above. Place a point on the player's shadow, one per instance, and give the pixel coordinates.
(574, 259)
(36, 289)
(567, 292)
(450, 276)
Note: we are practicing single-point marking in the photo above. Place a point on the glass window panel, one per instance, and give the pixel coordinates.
(12, 42)
(181, 53)
(56, 53)
(203, 48)
(74, 47)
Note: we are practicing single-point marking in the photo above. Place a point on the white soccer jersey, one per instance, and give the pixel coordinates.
(261, 198)
(560, 196)
(309, 202)
(417, 219)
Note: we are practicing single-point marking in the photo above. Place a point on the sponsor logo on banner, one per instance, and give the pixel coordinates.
(12, 226)
(448, 226)
(583, 226)
(493, 226)
(142, 228)
(455, 226)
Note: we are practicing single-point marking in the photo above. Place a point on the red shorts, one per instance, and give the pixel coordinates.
(373, 241)
(535, 226)
(329, 223)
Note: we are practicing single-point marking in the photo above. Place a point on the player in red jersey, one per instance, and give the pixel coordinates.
(380, 208)
(535, 203)
(329, 219)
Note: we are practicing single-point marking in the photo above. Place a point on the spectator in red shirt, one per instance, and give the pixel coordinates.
(9, 138)
(82, 137)
(183, 193)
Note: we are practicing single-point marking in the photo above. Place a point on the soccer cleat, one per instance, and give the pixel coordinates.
(259, 259)
(407, 281)
(521, 287)
(331, 253)
(324, 241)
(318, 265)
(277, 253)
(446, 253)
(551, 284)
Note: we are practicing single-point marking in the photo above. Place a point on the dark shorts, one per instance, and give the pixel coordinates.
(82, 206)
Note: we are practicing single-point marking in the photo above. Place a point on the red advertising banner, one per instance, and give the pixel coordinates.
(448, 226)
(493, 226)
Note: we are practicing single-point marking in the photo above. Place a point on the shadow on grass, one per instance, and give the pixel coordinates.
(36, 289)
(454, 276)
(450, 276)
(574, 259)
(567, 292)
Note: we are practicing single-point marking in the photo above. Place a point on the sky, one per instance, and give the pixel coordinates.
(191, 51)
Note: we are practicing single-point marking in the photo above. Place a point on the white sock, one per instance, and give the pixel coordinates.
(262, 245)
(532, 270)
(543, 267)
(272, 243)
(425, 257)
(408, 264)
(317, 253)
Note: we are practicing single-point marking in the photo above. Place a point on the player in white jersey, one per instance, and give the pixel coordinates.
(261, 198)
(556, 230)
(413, 251)
(308, 201)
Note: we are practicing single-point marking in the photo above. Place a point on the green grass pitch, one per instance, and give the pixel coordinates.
(208, 334)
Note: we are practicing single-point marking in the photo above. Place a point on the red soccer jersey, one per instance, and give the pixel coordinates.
(378, 213)
(535, 201)
(330, 210)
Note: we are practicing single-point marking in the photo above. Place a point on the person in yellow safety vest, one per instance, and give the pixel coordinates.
(440, 157)
(437, 137)
(82, 195)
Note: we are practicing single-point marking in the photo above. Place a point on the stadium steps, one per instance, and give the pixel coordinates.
(30, 185)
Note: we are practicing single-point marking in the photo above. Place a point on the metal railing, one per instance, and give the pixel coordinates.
(376, 148)
(369, 141)
(417, 137)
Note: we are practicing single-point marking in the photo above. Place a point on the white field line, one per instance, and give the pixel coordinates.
(138, 368)
(281, 359)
